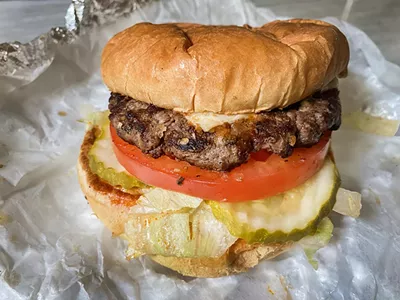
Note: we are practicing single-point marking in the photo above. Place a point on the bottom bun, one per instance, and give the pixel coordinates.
(111, 206)
(239, 258)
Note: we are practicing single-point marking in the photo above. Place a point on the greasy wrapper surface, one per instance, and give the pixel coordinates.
(53, 247)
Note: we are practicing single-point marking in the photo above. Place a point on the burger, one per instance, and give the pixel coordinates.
(214, 152)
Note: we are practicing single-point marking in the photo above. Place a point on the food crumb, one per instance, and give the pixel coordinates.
(377, 199)
(285, 287)
(13, 239)
(270, 291)
(62, 113)
(12, 278)
(180, 181)
(4, 219)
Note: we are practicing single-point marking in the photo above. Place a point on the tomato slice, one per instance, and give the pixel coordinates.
(264, 175)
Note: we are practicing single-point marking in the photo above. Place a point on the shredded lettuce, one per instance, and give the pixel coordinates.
(99, 118)
(156, 200)
(184, 233)
(348, 203)
(312, 243)
(371, 124)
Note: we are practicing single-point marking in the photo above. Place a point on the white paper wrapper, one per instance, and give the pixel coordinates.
(53, 247)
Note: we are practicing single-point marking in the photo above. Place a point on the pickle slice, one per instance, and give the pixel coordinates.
(102, 160)
(287, 216)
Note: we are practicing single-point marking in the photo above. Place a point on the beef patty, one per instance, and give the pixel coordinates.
(158, 131)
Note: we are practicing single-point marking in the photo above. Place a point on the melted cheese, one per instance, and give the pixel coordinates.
(207, 121)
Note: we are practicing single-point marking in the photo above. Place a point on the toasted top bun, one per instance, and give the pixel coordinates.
(111, 205)
(224, 69)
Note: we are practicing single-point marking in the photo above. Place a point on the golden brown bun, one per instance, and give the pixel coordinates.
(239, 258)
(111, 206)
(224, 69)
(105, 200)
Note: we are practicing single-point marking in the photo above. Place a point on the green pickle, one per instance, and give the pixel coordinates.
(288, 216)
(112, 177)
(312, 243)
(102, 160)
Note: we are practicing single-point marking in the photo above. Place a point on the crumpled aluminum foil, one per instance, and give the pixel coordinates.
(16, 59)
